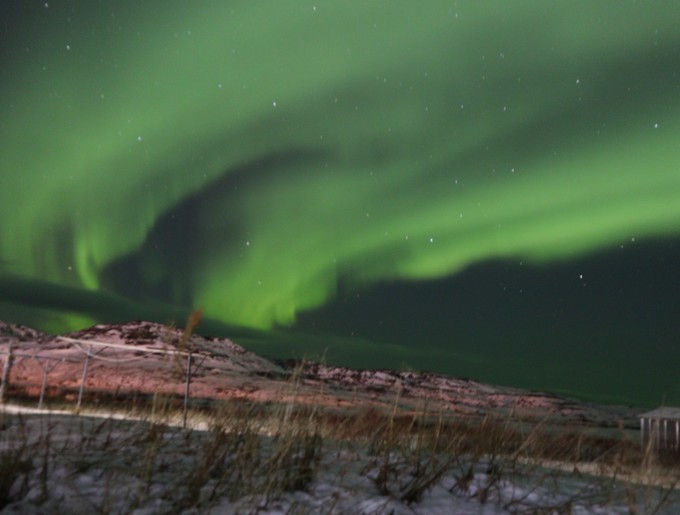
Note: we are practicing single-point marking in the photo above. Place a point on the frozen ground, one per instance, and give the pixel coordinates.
(55, 462)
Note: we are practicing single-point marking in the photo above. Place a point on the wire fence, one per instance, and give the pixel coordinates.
(87, 352)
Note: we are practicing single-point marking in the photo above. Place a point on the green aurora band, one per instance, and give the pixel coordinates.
(364, 141)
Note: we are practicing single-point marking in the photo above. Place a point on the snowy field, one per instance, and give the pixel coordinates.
(55, 462)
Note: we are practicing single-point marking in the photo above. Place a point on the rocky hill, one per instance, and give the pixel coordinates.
(140, 358)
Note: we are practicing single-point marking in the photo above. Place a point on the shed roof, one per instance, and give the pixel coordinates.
(666, 412)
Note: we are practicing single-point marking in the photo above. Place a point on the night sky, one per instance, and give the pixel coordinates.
(490, 190)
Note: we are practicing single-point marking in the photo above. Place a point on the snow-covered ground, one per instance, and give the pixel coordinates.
(55, 462)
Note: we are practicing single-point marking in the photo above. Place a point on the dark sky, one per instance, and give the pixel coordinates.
(584, 327)
(489, 189)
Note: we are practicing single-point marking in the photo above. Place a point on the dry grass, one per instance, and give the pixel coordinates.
(262, 451)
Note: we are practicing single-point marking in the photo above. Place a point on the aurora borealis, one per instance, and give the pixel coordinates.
(278, 163)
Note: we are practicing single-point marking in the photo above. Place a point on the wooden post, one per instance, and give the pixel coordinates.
(657, 434)
(4, 385)
(186, 391)
(46, 368)
(82, 381)
(42, 388)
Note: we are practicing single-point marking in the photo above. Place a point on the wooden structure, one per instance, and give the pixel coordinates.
(660, 430)
(92, 350)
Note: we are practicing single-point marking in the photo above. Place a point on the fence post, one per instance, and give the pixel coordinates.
(46, 368)
(4, 385)
(42, 387)
(82, 381)
(186, 391)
